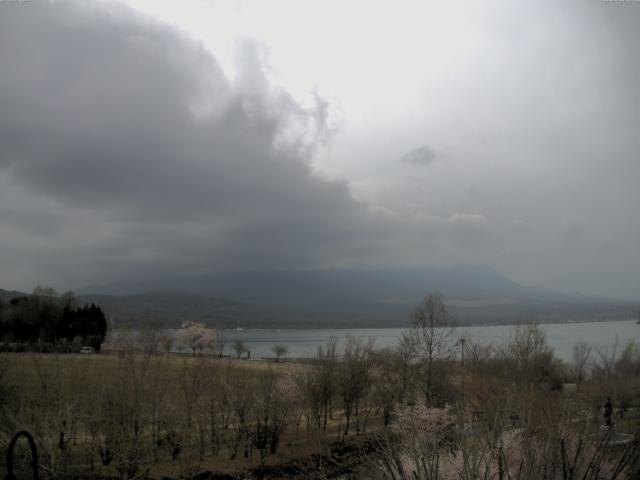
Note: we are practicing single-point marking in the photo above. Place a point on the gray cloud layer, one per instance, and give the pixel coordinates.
(125, 152)
(421, 156)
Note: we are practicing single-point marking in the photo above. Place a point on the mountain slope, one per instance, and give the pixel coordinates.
(348, 298)
(316, 287)
(336, 298)
(156, 309)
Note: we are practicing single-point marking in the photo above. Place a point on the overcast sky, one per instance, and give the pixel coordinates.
(166, 138)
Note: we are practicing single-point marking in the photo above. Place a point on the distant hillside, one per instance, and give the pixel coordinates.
(337, 298)
(341, 298)
(170, 309)
(314, 288)
(6, 295)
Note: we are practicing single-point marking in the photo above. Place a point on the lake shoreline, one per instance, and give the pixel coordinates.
(304, 343)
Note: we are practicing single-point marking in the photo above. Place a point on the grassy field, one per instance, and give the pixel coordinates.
(155, 405)
(31, 369)
(370, 413)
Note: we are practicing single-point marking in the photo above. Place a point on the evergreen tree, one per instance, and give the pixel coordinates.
(44, 316)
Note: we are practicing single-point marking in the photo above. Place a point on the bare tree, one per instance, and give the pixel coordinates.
(167, 341)
(530, 358)
(192, 381)
(477, 354)
(221, 342)
(273, 401)
(148, 341)
(581, 360)
(604, 364)
(240, 348)
(628, 363)
(279, 351)
(430, 335)
(354, 379)
(318, 385)
(389, 380)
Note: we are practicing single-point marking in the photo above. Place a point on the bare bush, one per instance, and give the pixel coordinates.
(581, 361)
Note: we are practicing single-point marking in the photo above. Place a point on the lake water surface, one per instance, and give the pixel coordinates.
(561, 336)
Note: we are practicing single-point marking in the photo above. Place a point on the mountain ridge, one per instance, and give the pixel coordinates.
(475, 294)
(338, 298)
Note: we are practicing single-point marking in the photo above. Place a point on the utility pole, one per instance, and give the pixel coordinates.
(462, 340)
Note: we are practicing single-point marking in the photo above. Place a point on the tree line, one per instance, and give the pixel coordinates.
(45, 319)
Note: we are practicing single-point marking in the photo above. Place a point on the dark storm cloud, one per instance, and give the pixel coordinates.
(146, 158)
(125, 151)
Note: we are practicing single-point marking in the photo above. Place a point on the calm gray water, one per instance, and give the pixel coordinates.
(561, 336)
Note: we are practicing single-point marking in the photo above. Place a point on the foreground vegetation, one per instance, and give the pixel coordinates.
(416, 411)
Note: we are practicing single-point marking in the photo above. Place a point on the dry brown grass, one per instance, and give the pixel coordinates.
(154, 397)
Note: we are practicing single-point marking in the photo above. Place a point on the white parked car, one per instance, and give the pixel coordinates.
(86, 350)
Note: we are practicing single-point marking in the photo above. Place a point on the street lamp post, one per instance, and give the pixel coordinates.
(462, 340)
